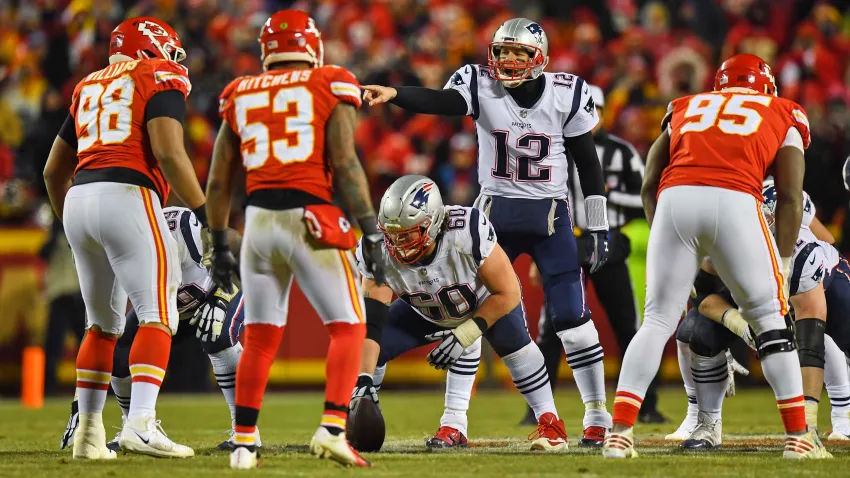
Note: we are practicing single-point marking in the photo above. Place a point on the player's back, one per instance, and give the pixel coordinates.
(111, 108)
(280, 117)
(730, 139)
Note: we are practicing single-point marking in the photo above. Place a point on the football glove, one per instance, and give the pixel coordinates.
(733, 367)
(454, 342)
(597, 250)
(219, 260)
(371, 241)
(365, 388)
(210, 316)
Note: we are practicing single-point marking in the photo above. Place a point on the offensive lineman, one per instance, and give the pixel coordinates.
(293, 127)
(702, 197)
(214, 317)
(455, 284)
(123, 145)
(525, 121)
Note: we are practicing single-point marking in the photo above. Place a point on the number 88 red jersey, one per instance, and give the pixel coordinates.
(729, 139)
(280, 118)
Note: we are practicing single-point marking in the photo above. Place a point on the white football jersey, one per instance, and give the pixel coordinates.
(808, 210)
(521, 152)
(447, 290)
(812, 261)
(186, 230)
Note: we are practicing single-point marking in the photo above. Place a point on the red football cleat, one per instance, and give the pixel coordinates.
(447, 437)
(550, 434)
(593, 437)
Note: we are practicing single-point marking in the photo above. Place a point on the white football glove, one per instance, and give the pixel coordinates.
(210, 316)
(364, 388)
(453, 343)
(733, 367)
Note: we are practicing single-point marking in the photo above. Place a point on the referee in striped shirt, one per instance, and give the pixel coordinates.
(622, 168)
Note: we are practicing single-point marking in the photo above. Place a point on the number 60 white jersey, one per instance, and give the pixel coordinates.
(521, 151)
(446, 290)
(186, 230)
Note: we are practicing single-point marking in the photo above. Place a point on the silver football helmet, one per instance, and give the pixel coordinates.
(411, 217)
(523, 33)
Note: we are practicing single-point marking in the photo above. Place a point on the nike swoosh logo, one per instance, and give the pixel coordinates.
(556, 218)
(812, 261)
(143, 440)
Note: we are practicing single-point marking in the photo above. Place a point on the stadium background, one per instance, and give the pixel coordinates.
(642, 53)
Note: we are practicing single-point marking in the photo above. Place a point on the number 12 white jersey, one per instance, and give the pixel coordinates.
(447, 290)
(521, 152)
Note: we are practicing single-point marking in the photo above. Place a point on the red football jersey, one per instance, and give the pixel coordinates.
(109, 114)
(280, 117)
(729, 139)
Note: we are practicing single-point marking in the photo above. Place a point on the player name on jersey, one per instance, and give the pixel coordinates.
(270, 81)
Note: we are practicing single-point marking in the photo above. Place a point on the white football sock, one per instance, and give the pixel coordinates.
(710, 376)
(836, 378)
(459, 382)
(775, 367)
(584, 356)
(121, 388)
(683, 351)
(224, 367)
(528, 372)
(378, 377)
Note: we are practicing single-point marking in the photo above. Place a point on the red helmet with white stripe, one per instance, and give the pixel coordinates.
(291, 35)
(146, 37)
(745, 71)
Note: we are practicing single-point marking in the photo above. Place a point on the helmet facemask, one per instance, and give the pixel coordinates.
(408, 245)
(513, 72)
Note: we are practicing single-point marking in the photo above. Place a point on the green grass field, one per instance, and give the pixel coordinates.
(498, 447)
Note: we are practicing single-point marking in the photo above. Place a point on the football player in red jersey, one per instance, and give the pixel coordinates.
(108, 175)
(292, 127)
(702, 197)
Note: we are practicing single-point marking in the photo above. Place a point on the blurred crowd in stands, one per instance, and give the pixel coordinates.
(642, 53)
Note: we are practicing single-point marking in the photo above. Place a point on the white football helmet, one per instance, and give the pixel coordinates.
(523, 33)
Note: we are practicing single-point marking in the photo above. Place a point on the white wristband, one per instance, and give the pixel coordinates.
(467, 333)
(596, 213)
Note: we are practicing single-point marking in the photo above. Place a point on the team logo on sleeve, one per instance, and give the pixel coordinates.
(457, 79)
(537, 31)
(420, 199)
(590, 106)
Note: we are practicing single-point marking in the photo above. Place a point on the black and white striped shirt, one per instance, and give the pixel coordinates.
(622, 169)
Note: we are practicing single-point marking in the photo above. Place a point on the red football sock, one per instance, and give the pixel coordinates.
(341, 369)
(793, 412)
(252, 375)
(148, 361)
(626, 408)
(94, 368)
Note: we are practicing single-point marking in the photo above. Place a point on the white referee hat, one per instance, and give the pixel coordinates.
(598, 96)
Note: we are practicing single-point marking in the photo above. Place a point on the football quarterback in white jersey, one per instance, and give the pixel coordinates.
(455, 284)
(527, 120)
(212, 315)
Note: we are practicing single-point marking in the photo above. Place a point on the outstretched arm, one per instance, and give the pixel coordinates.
(417, 99)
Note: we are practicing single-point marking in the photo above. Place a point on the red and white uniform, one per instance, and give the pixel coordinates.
(113, 212)
(709, 204)
(280, 117)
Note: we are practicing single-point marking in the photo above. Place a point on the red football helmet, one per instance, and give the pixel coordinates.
(146, 37)
(291, 35)
(745, 71)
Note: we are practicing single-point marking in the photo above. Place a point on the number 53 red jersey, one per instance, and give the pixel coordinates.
(280, 117)
(729, 139)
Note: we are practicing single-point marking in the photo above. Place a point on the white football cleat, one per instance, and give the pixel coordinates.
(71, 427)
(336, 447)
(90, 439)
(687, 427)
(839, 435)
(706, 436)
(243, 459)
(840, 424)
(807, 446)
(619, 444)
(146, 436)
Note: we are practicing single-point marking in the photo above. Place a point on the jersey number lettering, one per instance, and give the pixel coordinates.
(104, 112)
(451, 302)
(457, 218)
(706, 109)
(524, 173)
(294, 144)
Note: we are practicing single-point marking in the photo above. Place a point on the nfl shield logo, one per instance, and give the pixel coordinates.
(523, 114)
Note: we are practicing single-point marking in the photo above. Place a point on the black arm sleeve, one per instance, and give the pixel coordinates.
(430, 102)
(168, 104)
(68, 132)
(583, 150)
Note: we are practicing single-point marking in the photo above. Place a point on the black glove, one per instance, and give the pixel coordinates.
(365, 388)
(597, 250)
(222, 264)
(371, 241)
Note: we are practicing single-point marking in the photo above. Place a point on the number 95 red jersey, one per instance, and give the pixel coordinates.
(729, 139)
(280, 117)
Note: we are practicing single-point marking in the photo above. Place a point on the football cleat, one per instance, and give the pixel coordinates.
(684, 431)
(114, 445)
(90, 439)
(71, 428)
(839, 435)
(446, 437)
(227, 445)
(146, 436)
(336, 447)
(840, 424)
(620, 445)
(706, 436)
(550, 434)
(807, 446)
(243, 459)
(593, 437)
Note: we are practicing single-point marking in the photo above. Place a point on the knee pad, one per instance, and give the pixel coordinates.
(709, 338)
(774, 341)
(566, 301)
(810, 342)
(686, 327)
